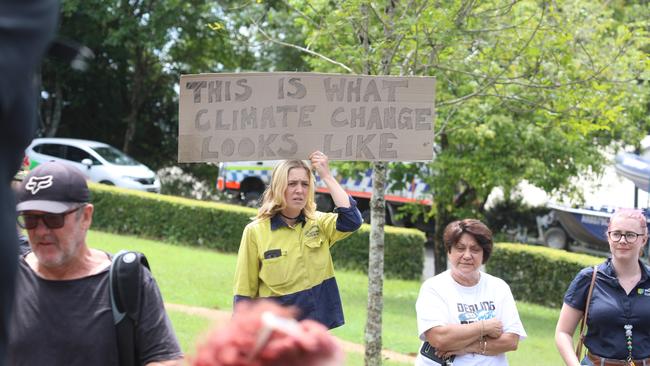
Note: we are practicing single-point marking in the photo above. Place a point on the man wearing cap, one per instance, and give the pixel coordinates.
(62, 312)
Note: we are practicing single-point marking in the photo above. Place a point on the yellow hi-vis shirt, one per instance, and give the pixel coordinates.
(294, 265)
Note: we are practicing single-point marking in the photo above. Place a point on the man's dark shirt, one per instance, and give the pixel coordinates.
(70, 322)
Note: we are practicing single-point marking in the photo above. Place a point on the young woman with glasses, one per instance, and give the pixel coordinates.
(618, 321)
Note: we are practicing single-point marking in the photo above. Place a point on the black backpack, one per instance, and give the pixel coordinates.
(125, 293)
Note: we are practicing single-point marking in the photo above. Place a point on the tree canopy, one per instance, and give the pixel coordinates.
(526, 90)
(127, 95)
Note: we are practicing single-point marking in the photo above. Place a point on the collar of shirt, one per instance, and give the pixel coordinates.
(607, 268)
(277, 222)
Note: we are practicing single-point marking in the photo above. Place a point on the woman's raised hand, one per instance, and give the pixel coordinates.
(320, 163)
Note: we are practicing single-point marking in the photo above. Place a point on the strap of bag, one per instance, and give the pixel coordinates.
(125, 275)
(583, 322)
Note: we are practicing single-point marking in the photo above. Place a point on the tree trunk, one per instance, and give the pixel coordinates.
(58, 107)
(51, 111)
(439, 251)
(373, 341)
(373, 336)
(441, 221)
(136, 98)
(131, 120)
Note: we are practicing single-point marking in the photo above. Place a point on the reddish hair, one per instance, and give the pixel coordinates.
(629, 213)
(234, 344)
(472, 227)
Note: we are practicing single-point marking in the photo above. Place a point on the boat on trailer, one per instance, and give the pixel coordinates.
(578, 229)
(585, 229)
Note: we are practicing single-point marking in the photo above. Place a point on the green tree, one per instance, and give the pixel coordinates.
(127, 96)
(527, 90)
(252, 23)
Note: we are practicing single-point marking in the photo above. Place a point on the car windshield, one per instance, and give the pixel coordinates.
(115, 156)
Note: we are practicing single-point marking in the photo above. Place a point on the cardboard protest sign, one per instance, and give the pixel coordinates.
(269, 116)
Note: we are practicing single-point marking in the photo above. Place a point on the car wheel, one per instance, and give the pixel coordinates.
(556, 238)
(393, 213)
(324, 203)
(251, 198)
(365, 215)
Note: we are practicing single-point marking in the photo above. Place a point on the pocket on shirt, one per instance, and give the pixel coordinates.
(274, 271)
(318, 252)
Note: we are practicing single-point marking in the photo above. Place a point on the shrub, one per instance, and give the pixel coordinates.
(403, 252)
(174, 181)
(513, 219)
(537, 274)
(219, 226)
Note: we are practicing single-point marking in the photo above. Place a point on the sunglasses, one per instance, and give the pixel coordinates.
(52, 221)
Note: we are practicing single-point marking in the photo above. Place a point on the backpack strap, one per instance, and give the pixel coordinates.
(125, 293)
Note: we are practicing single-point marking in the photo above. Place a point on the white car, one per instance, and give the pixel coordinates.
(100, 162)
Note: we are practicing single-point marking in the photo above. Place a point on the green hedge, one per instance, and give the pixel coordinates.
(537, 274)
(219, 226)
(403, 252)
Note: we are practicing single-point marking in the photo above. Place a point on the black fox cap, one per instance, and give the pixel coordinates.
(53, 187)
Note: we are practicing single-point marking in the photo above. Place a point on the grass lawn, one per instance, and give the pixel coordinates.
(189, 329)
(202, 277)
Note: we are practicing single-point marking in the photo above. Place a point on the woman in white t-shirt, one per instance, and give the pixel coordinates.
(465, 316)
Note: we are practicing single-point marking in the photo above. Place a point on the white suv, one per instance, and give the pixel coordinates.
(100, 162)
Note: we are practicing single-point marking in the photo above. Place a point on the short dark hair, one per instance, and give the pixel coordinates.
(478, 230)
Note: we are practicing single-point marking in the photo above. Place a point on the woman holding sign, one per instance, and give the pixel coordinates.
(285, 252)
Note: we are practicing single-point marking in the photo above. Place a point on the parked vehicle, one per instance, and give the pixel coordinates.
(100, 162)
(584, 229)
(246, 181)
(579, 229)
(578, 226)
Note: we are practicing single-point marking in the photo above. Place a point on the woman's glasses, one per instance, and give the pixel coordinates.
(630, 237)
(52, 221)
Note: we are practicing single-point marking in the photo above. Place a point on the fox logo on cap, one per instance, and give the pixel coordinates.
(35, 184)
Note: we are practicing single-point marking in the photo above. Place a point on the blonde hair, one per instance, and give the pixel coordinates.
(273, 199)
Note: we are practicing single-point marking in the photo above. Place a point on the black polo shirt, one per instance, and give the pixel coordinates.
(611, 308)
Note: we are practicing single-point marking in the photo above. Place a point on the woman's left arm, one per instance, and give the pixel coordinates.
(505, 343)
(320, 162)
(490, 347)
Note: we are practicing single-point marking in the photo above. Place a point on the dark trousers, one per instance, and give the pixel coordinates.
(26, 29)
